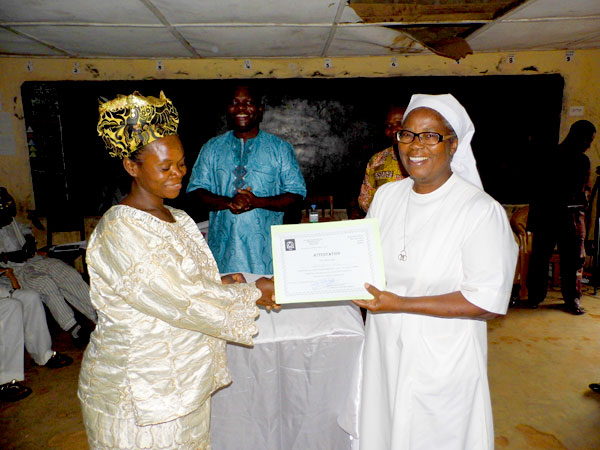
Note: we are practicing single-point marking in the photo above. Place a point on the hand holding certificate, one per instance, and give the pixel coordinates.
(330, 261)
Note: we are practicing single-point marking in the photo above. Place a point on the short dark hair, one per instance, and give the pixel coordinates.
(583, 128)
(580, 136)
(254, 89)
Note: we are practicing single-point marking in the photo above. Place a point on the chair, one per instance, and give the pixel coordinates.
(64, 222)
(518, 221)
(322, 202)
(60, 222)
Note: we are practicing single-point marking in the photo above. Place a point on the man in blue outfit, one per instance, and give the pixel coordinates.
(246, 178)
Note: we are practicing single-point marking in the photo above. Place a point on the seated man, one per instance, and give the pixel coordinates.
(22, 322)
(57, 282)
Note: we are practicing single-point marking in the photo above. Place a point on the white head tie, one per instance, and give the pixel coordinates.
(463, 161)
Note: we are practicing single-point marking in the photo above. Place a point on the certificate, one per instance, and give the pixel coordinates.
(316, 262)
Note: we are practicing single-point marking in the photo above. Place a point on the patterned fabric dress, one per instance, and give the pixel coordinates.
(267, 164)
(383, 167)
(158, 351)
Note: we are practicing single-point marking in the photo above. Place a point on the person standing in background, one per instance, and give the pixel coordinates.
(385, 165)
(557, 216)
(247, 178)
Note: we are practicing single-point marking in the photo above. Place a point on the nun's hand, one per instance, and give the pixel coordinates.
(382, 300)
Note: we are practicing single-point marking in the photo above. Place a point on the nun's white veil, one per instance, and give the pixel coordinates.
(463, 161)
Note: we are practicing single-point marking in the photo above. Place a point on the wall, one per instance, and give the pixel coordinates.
(581, 76)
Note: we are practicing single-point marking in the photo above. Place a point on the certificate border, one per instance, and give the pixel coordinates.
(279, 232)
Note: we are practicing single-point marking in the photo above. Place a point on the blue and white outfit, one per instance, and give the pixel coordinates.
(267, 164)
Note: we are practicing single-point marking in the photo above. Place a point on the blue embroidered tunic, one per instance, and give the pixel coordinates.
(266, 163)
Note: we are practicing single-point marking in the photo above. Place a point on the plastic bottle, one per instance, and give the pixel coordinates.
(313, 214)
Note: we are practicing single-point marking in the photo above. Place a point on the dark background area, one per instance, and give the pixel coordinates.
(335, 126)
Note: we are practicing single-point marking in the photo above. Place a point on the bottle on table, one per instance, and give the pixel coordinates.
(313, 214)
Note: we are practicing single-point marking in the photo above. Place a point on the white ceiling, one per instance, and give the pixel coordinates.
(263, 28)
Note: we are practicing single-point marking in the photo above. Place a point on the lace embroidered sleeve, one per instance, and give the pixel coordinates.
(158, 273)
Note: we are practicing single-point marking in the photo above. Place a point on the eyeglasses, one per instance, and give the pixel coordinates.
(426, 137)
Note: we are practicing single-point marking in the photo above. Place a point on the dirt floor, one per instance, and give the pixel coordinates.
(540, 364)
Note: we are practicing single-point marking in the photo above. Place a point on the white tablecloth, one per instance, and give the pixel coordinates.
(299, 387)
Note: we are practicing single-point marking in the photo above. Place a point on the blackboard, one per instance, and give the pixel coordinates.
(335, 126)
(44, 142)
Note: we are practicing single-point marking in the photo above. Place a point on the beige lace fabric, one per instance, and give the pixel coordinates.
(190, 432)
(158, 351)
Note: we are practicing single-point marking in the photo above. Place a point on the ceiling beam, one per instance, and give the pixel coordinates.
(34, 39)
(332, 30)
(176, 34)
(417, 13)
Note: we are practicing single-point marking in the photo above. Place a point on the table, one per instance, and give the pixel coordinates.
(299, 387)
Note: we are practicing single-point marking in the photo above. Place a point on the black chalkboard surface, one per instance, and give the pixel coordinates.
(335, 126)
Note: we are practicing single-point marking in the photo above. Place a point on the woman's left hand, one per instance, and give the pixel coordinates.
(233, 278)
(382, 301)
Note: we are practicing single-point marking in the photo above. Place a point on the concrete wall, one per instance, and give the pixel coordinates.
(581, 74)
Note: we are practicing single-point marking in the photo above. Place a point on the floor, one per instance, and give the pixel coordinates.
(540, 364)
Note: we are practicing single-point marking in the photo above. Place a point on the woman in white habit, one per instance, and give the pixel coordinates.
(449, 257)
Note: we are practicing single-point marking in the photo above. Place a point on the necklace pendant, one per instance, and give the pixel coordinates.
(402, 256)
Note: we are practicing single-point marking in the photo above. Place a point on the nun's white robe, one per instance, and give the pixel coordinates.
(425, 380)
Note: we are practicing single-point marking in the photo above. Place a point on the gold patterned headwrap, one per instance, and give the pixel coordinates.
(127, 123)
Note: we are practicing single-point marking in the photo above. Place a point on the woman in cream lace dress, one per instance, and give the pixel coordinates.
(164, 312)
